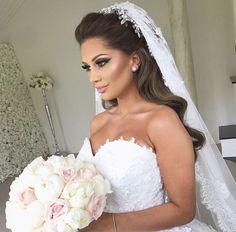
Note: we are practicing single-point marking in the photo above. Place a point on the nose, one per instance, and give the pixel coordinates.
(94, 77)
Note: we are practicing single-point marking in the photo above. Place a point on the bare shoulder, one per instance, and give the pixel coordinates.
(164, 117)
(166, 128)
(98, 122)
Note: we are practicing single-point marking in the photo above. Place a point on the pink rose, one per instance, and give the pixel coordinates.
(55, 211)
(85, 173)
(68, 174)
(96, 205)
(27, 196)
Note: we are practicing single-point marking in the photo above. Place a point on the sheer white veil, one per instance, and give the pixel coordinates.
(216, 188)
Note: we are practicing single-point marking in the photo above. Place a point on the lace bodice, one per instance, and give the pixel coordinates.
(135, 177)
(128, 166)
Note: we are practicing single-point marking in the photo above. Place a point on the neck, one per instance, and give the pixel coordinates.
(129, 101)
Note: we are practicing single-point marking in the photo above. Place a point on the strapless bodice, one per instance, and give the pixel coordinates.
(133, 172)
(135, 178)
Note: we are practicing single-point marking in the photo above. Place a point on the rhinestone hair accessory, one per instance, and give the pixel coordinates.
(122, 15)
(212, 173)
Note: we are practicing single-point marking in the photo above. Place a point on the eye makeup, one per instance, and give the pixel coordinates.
(100, 62)
(85, 67)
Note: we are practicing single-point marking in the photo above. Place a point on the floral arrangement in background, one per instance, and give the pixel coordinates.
(41, 81)
(61, 194)
(21, 136)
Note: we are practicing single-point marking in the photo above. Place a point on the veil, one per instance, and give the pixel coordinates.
(215, 186)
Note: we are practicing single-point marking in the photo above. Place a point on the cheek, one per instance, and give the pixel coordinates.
(118, 78)
(118, 71)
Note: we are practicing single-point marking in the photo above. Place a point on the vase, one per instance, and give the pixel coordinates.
(50, 120)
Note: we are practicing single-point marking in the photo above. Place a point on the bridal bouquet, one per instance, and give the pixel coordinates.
(61, 194)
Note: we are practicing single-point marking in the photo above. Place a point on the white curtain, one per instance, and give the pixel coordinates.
(182, 43)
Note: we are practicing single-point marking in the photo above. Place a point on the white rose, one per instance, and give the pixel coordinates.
(45, 171)
(64, 227)
(90, 166)
(60, 162)
(70, 159)
(29, 179)
(101, 186)
(29, 218)
(78, 193)
(29, 175)
(16, 187)
(34, 215)
(31, 167)
(78, 218)
(56, 161)
(49, 188)
(14, 216)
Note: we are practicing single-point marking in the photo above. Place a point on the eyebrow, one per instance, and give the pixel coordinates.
(95, 57)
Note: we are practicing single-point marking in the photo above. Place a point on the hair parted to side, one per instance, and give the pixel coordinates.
(149, 80)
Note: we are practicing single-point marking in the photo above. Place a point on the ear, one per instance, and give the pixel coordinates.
(135, 61)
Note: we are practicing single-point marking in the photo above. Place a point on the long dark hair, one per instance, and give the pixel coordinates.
(149, 79)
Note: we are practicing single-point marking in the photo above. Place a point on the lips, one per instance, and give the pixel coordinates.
(101, 89)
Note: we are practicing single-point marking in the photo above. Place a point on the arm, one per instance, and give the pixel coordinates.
(176, 161)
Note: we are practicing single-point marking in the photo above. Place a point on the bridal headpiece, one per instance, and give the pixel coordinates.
(145, 26)
(212, 174)
(123, 16)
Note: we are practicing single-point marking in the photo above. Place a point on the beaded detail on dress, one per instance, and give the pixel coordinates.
(135, 177)
(115, 160)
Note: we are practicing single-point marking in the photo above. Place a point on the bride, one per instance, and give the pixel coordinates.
(149, 142)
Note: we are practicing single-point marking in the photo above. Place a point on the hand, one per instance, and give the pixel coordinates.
(103, 224)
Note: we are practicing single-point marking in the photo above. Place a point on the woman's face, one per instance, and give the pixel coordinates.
(109, 70)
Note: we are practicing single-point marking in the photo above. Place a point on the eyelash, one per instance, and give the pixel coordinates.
(100, 63)
(85, 67)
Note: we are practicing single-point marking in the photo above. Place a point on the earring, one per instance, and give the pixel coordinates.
(134, 69)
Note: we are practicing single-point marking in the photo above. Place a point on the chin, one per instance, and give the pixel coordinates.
(107, 97)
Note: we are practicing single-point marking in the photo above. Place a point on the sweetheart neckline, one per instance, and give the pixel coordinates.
(108, 141)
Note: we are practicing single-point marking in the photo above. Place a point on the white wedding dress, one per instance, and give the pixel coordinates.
(134, 174)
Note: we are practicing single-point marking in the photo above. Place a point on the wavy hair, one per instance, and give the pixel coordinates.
(149, 79)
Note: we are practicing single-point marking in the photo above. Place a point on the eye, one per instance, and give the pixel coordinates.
(85, 67)
(102, 62)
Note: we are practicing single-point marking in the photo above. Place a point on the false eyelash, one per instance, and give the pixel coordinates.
(101, 62)
(85, 66)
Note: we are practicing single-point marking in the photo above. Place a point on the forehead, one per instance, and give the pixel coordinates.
(93, 46)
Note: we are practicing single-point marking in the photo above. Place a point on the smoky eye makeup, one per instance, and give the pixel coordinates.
(85, 67)
(102, 61)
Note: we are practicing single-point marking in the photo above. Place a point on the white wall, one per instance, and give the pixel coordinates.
(234, 7)
(212, 34)
(42, 33)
